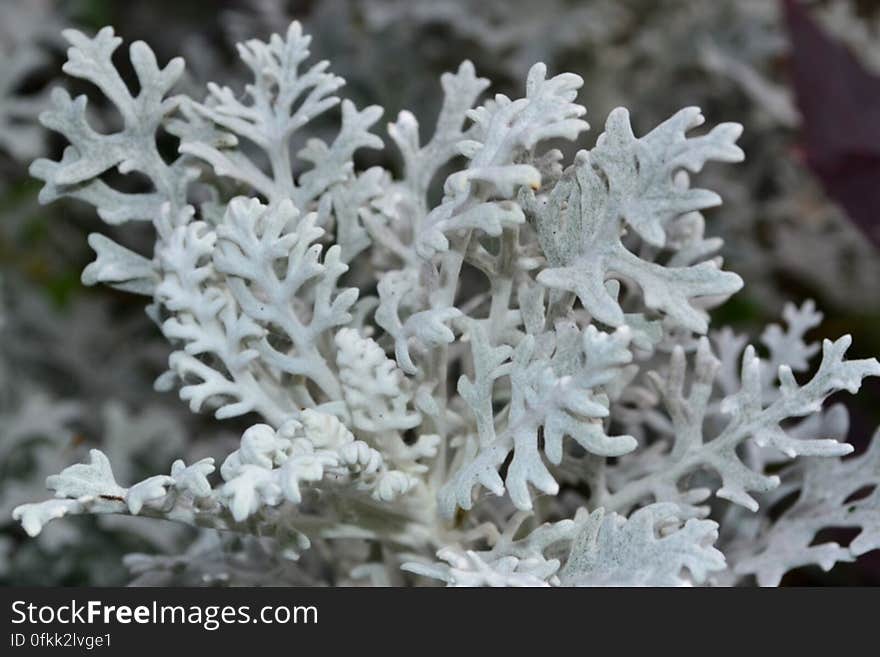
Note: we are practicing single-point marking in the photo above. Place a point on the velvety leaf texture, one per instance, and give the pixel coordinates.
(494, 366)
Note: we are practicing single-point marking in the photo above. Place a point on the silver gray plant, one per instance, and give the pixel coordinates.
(411, 369)
(654, 55)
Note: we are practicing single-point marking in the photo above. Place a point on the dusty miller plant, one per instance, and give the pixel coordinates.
(511, 384)
(653, 55)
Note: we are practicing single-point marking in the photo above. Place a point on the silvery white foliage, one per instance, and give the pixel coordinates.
(744, 416)
(628, 183)
(268, 469)
(131, 149)
(504, 131)
(831, 493)
(255, 242)
(356, 432)
(81, 480)
(741, 529)
(375, 389)
(206, 322)
(656, 57)
(786, 346)
(659, 54)
(554, 387)
(274, 466)
(92, 488)
(472, 569)
(283, 99)
(381, 402)
(650, 548)
(422, 162)
(706, 407)
(205, 317)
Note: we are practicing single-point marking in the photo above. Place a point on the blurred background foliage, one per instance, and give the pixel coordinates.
(77, 364)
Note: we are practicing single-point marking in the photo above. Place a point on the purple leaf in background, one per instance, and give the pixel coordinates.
(840, 105)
